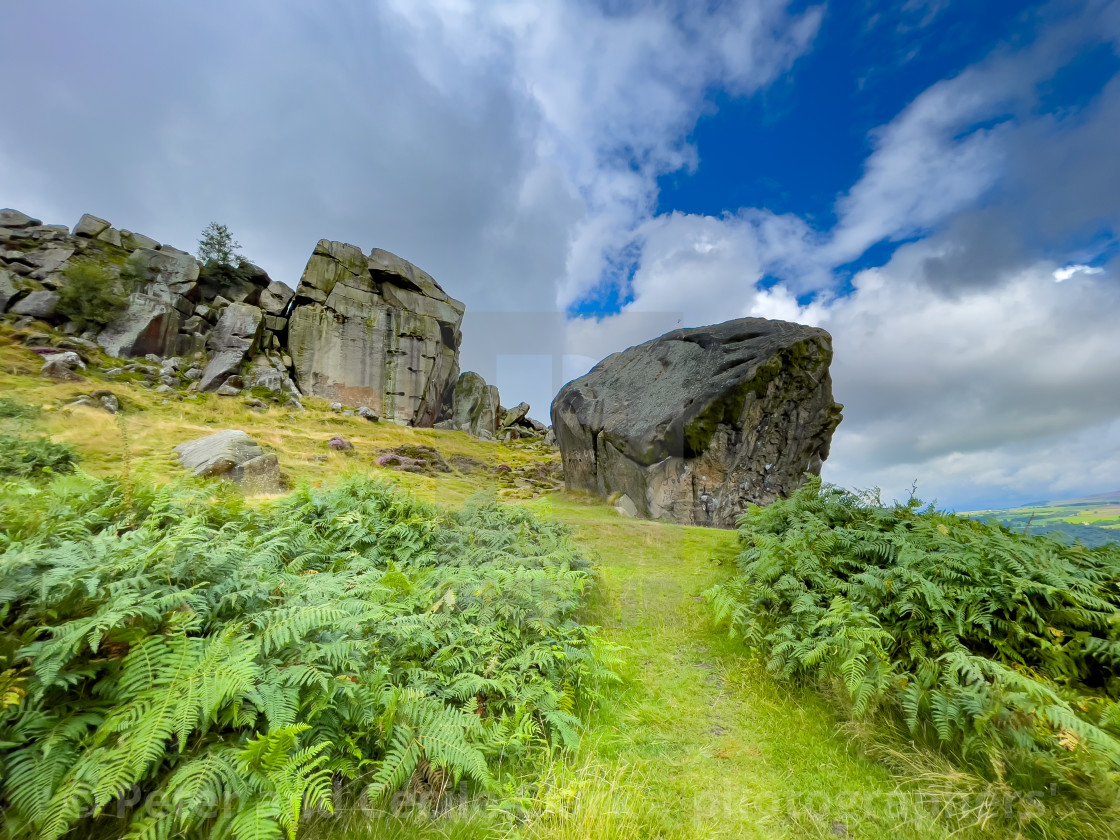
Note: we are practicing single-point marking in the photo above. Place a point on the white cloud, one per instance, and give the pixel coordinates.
(1063, 274)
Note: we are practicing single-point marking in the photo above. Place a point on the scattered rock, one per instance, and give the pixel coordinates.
(625, 505)
(368, 413)
(336, 408)
(696, 424)
(228, 390)
(108, 401)
(413, 458)
(234, 456)
(513, 415)
(63, 366)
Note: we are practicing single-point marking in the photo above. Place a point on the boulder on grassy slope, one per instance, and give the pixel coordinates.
(697, 424)
(234, 456)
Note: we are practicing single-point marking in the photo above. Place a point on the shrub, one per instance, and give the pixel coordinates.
(1002, 650)
(24, 458)
(240, 667)
(10, 409)
(91, 295)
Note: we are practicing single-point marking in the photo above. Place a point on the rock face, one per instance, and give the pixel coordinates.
(374, 331)
(234, 456)
(697, 423)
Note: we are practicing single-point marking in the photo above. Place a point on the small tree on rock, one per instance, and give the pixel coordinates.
(217, 246)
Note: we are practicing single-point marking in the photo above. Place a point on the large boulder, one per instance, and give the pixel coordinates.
(234, 456)
(474, 406)
(233, 339)
(168, 274)
(148, 325)
(10, 218)
(40, 304)
(696, 424)
(90, 226)
(374, 331)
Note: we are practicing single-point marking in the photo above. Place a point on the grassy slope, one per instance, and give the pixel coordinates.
(698, 744)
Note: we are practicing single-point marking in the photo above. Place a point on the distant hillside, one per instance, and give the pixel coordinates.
(1094, 520)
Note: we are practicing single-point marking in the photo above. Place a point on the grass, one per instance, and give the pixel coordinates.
(699, 743)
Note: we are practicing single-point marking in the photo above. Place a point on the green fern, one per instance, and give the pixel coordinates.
(1001, 649)
(240, 668)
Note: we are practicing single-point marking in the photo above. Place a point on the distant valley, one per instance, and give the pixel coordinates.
(1094, 520)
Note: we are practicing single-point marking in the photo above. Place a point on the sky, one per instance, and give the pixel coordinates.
(935, 182)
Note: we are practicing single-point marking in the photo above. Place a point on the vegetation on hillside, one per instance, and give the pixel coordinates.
(40, 457)
(217, 246)
(1000, 650)
(205, 669)
(91, 295)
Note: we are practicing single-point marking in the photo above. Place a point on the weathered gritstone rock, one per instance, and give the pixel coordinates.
(374, 331)
(8, 290)
(474, 406)
(40, 304)
(234, 456)
(695, 424)
(234, 337)
(63, 366)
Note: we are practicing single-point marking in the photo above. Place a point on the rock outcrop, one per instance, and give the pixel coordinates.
(365, 330)
(376, 331)
(696, 424)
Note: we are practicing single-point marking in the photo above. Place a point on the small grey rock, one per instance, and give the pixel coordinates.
(368, 413)
(228, 390)
(108, 401)
(62, 366)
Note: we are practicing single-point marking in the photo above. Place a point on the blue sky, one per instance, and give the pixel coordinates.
(936, 182)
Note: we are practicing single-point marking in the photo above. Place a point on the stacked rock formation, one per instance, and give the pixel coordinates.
(374, 331)
(696, 424)
(371, 331)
